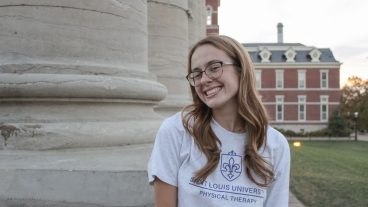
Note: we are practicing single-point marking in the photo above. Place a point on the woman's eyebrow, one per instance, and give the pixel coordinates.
(212, 61)
(206, 65)
(196, 69)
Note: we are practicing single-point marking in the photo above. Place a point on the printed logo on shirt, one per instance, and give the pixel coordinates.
(230, 193)
(231, 165)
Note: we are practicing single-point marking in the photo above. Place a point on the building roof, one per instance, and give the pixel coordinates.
(278, 50)
(271, 44)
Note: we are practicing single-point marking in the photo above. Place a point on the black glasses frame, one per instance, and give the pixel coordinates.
(190, 77)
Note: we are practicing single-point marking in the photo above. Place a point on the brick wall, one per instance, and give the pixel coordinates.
(290, 92)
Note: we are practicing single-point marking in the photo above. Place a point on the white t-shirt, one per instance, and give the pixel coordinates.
(175, 159)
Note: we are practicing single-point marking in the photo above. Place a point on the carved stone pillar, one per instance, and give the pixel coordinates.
(197, 21)
(168, 43)
(75, 74)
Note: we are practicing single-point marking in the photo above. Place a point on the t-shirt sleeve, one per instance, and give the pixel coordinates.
(164, 162)
(278, 192)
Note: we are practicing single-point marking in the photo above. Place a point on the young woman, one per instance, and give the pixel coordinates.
(220, 151)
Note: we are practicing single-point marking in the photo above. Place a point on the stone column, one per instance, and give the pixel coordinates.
(75, 74)
(168, 50)
(197, 21)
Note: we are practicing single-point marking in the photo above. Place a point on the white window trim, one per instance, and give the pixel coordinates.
(324, 101)
(302, 100)
(258, 79)
(281, 76)
(290, 55)
(279, 101)
(321, 80)
(305, 77)
(209, 10)
(265, 55)
(315, 55)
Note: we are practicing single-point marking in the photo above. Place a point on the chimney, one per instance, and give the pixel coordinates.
(280, 35)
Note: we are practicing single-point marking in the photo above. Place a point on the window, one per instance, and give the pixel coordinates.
(279, 108)
(209, 15)
(265, 54)
(324, 108)
(301, 79)
(279, 79)
(301, 108)
(258, 79)
(290, 55)
(324, 79)
(315, 55)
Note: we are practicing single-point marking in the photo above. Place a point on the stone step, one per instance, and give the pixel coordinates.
(80, 177)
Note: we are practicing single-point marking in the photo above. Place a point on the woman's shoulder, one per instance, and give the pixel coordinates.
(276, 139)
(172, 133)
(173, 127)
(173, 122)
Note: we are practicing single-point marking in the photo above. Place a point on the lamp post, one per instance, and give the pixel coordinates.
(356, 114)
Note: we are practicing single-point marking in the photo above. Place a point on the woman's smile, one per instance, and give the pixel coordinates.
(212, 91)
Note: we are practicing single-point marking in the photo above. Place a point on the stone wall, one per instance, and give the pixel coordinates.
(79, 82)
(173, 26)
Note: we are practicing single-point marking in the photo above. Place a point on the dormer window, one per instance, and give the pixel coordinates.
(290, 55)
(315, 54)
(265, 55)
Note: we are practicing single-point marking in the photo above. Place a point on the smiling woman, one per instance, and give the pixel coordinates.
(222, 141)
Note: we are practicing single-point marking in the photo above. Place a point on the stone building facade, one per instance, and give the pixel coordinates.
(84, 86)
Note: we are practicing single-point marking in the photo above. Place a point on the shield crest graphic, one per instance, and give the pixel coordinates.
(231, 165)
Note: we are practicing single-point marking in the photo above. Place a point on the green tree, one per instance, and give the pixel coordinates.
(355, 99)
(338, 126)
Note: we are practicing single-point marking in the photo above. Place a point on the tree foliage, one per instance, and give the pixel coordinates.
(338, 126)
(355, 99)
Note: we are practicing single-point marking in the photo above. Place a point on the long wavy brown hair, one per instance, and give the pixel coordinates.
(197, 117)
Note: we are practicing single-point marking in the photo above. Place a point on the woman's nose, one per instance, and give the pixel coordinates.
(205, 78)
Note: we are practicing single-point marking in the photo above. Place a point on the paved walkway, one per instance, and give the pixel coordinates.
(294, 202)
(363, 137)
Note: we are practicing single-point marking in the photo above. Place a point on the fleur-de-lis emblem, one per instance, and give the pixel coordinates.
(231, 165)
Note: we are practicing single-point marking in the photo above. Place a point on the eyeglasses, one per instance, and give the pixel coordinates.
(212, 71)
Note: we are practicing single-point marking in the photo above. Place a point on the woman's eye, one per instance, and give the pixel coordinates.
(214, 67)
(196, 75)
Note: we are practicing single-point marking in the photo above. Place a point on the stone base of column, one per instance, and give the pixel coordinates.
(56, 124)
(42, 111)
(108, 177)
(172, 105)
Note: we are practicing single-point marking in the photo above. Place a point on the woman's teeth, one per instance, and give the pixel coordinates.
(213, 91)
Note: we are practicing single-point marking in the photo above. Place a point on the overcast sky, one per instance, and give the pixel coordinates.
(340, 25)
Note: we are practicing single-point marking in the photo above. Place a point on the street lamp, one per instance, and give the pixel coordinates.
(356, 114)
(297, 144)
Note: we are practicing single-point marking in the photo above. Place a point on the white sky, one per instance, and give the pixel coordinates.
(341, 25)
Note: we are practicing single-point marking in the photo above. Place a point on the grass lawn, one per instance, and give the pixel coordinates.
(330, 173)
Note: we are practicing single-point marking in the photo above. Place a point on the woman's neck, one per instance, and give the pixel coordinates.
(229, 120)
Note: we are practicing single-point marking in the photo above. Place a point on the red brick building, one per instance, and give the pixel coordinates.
(299, 85)
(212, 17)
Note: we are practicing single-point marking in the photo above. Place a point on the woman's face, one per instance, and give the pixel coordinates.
(220, 93)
